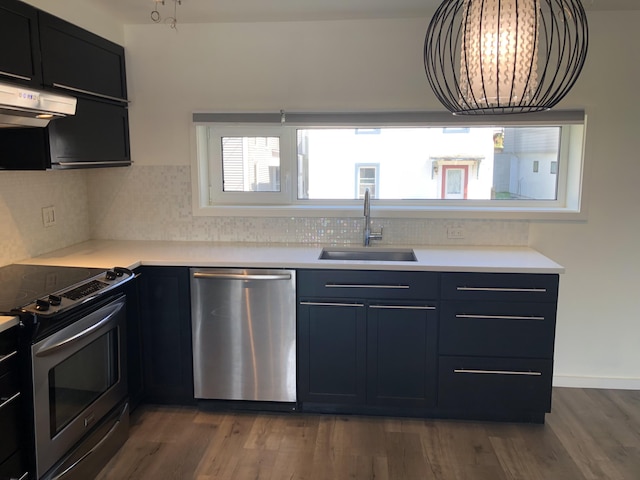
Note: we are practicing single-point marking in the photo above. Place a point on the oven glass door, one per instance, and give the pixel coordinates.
(76, 382)
(79, 376)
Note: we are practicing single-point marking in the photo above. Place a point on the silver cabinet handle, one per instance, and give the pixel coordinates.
(88, 92)
(242, 276)
(499, 317)
(497, 372)
(332, 304)
(404, 307)
(101, 163)
(355, 285)
(9, 400)
(500, 289)
(13, 75)
(24, 476)
(8, 356)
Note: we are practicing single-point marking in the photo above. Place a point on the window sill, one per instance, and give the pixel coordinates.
(343, 211)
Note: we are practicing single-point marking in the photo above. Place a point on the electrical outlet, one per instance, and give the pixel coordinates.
(455, 233)
(48, 216)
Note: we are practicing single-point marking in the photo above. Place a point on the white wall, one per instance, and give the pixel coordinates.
(599, 314)
(377, 65)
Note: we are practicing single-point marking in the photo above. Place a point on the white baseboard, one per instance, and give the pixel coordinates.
(596, 382)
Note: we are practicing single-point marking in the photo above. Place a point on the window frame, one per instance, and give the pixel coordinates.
(207, 182)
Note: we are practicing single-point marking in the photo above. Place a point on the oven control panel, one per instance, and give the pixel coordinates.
(60, 301)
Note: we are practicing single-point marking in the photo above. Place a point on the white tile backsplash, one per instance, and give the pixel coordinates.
(22, 196)
(154, 203)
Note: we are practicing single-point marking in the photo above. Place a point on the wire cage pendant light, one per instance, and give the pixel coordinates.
(505, 56)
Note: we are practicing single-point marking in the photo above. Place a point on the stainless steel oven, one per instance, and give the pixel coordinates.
(79, 377)
(74, 349)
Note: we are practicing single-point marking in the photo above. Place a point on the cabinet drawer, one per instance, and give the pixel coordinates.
(8, 351)
(9, 414)
(14, 467)
(512, 287)
(497, 329)
(367, 284)
(494, 385)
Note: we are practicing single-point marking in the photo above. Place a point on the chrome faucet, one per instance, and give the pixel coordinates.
(368, 235)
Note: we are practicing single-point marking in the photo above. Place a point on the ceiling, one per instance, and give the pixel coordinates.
(207, 11)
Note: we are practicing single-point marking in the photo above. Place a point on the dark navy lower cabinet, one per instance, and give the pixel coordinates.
(372, 352)
(451, 345)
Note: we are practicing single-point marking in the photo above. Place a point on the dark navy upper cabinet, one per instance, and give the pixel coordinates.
(20, 57)
(49, 53)
(81, 62)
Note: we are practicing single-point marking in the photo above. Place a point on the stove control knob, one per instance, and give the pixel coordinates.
(42, 305)
(110, 275)
(55, 300)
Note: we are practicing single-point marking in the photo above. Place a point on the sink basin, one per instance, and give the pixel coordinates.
(370, 254)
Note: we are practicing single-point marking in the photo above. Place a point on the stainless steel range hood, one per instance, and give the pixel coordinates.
(25, 107)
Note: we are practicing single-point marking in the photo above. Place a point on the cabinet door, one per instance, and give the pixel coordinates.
(97, 133)
(75, 59)
(166, 334)
(402, 355)
(20, 55)
(331, 353)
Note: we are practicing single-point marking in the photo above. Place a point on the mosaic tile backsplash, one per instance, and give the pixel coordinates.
(154, 203)
(22, 196)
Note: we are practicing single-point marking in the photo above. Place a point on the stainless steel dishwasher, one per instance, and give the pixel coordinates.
(244, 334)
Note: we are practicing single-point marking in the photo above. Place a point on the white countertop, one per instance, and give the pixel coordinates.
(7, 322)
(133, 253)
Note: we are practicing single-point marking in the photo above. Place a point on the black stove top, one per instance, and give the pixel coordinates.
(20, 285)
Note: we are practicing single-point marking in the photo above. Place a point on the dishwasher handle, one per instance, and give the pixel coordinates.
(241, 276)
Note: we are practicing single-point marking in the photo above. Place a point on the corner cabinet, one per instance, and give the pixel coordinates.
(91, 68)
(366, 340)
(165, 312)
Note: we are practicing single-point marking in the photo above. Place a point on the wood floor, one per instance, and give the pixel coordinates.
(591, 434)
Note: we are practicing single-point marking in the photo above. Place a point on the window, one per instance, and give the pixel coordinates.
(367, 176)
(414, 164)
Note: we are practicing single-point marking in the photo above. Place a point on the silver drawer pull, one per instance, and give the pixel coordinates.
(498, 372)
(500, 289)
(103, 163)
(13, 75)
(24, 476)
(355, 285)
(8, 356)
(9, 400)
(404, 307)
(331, 304)
(499, 317)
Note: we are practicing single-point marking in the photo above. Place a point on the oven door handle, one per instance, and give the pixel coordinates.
(51, 349)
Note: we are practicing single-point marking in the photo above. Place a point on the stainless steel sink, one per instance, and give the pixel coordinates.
(370, 254)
